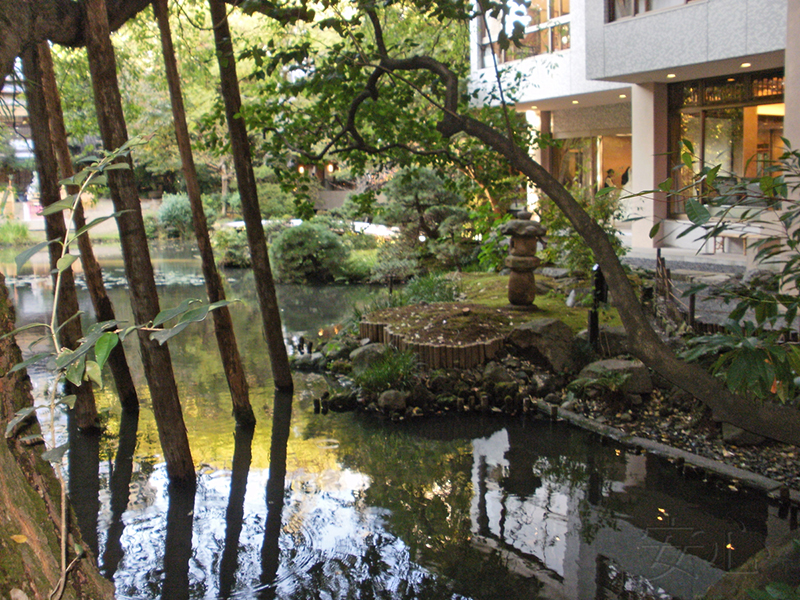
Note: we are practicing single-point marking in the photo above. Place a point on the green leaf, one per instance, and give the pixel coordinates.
(94, 372)
(687, 160)
(68, 401)
(697, 213)
(163, 335)
(26, 255)
(688, 145)
(24, 328)
(104, 346)
(95, 222)
(65, 262)
(171, 313)
(75, 371)
(665, 186)
(654, 230)
(19, 417)
(64, 204)
(125, 332)
(56, 454)
(33, 359)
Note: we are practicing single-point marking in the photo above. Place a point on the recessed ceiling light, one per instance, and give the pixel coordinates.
(731, 79)
(534, 107)
(745, 65)
(574, 101)
(670, 75)
(623, 95)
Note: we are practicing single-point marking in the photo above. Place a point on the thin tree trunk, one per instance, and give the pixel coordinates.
(223, 324)
(136, 255)
(240, 144)
(103, 309)
(85, 410)
(29, 494)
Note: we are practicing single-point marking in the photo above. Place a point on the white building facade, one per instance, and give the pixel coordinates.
(622, 82)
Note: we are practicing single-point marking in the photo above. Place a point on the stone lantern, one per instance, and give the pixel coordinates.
(522, 259)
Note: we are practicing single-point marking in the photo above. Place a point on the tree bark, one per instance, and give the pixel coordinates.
(103, 309)
(85, 410)
(223, 324)
(30, 496)
(136, 255)
(240, 144)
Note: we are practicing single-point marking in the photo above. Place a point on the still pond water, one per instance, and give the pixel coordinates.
(343, 506)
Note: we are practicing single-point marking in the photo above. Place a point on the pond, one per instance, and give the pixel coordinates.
(347, 506)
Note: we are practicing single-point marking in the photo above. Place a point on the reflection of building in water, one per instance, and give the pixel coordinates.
(621, 524)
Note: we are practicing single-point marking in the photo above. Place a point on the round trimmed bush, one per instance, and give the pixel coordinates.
(308, 253)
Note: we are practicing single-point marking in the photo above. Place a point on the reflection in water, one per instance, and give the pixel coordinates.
(234, 514)
(270, 550)
(178, 543)
(84, 480)
(355, 508)
(118, 488)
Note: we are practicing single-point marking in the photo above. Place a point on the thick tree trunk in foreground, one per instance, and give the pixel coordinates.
(240, 144)
(30, 497)
(223, 324)
(66, 297)
(136, 255)
(103, 309)
(774, 421)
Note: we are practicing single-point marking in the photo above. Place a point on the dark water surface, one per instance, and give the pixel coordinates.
(344, 506)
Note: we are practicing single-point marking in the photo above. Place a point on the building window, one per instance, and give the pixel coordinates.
(621, 9)
(735, 122)
(546, 25)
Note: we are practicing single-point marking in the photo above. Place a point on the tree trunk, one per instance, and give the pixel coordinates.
(223, 324)
(85, 410)
(136, 255)
(30, 496)
(240, 144)
(774, 421)
(103, 309)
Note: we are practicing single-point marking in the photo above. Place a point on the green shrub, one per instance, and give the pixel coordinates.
(396, 263)
(434, 287)
(175, 216)
(231, 248)
(395, 370)
(13, 233)
(359, 265)
(274, 202)
(308, 253)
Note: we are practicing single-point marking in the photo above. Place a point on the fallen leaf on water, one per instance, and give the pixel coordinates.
(20, 539)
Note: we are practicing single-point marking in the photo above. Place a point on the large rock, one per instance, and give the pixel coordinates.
(613, 341)
(639, 381)
(338, 349)
(496, 373)
(548, 342)
(309, 362)
(366, 355)
(393, 400)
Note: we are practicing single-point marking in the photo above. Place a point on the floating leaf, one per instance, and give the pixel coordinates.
(56, 454)
(19, 538)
